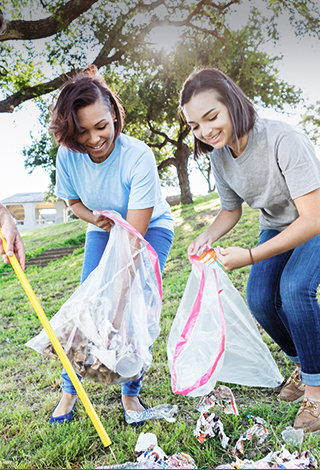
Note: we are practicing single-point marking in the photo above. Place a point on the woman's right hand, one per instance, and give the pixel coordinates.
(221, 225)
(202, 239)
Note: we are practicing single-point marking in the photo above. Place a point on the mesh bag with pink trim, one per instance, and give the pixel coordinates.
(110, 322)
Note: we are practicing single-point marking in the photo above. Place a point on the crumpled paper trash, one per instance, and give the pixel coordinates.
(278, 459)
(210, 425)
(164, 411)
(221, 396)
(258, 430)
(150, 455)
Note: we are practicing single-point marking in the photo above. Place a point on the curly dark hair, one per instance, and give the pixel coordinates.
(84, 89)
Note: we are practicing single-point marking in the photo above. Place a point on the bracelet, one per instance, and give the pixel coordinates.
(251, 257)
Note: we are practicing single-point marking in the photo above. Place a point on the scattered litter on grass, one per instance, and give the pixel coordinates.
(221, 396)
(122, 465)
(292, 436)
(210, 425)
(278, 459)
(164, 411)
(148, 452)
(144, 442)
(150, 455)
(258, 430)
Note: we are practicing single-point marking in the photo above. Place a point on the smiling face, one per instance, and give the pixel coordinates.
(97, 133)
(209, 119)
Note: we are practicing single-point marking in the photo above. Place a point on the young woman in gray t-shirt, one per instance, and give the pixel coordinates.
(272, 167)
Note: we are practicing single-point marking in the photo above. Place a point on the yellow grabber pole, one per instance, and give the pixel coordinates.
(58, 348)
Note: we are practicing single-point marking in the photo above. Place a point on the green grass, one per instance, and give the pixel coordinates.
(30, 383)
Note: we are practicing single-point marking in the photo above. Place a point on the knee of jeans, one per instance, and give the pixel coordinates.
(296, 292)
(258, 303)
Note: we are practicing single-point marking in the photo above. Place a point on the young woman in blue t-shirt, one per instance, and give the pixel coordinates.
(99, 168)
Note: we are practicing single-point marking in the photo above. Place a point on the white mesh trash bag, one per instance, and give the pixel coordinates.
(108, 325)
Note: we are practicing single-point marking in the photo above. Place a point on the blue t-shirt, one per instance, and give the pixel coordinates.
(127, 179)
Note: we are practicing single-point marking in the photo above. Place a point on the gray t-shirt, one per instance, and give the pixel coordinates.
(278, 165)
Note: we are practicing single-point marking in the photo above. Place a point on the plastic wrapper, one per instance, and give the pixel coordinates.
(292, 436)
(108, 325)
(164, 411)
(214, 337)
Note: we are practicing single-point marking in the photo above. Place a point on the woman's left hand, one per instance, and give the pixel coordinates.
(233, 257)
(103, 222)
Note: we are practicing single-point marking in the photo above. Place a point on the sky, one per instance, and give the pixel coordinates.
(300, 66)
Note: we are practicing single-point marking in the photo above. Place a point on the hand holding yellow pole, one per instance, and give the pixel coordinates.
(58, 348)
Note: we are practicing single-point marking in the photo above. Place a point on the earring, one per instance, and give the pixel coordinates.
(116, 120)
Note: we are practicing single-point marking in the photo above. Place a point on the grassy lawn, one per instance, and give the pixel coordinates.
(30, 383)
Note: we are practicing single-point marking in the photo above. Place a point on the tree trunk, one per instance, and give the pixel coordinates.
(209, 180)
(182, 155)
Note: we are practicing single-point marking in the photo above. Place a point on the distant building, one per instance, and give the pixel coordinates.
(31, 211)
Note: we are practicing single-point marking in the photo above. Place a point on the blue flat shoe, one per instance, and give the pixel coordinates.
(129, 420)
(55, 420)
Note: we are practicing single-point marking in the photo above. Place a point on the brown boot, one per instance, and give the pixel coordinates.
(308, 417)
(293, 389)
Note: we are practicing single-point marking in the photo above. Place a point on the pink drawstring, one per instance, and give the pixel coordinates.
(153, 255)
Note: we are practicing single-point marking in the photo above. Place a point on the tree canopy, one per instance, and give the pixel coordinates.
(150, 85)
(44, 43)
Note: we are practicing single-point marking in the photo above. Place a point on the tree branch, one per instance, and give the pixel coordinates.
(162, 134)
(20, 29)
(7, 105)
(168, 162)
(43, 28)
(103, 59)
(157, 146)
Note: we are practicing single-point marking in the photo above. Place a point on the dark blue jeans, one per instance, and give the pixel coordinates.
(160, 239)
(281, 295)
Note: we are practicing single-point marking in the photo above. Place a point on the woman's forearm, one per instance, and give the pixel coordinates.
(305, 227)
(81, 211)
(223, 223)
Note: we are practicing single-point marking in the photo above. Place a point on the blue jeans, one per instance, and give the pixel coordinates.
(161, 240)
(281, 295)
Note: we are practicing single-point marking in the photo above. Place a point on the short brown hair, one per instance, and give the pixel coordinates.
(84, 89)
(242, 112)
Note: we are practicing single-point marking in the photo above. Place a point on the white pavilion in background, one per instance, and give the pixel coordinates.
(31, 211)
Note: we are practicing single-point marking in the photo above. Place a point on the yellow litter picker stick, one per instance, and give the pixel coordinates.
(58, 348)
